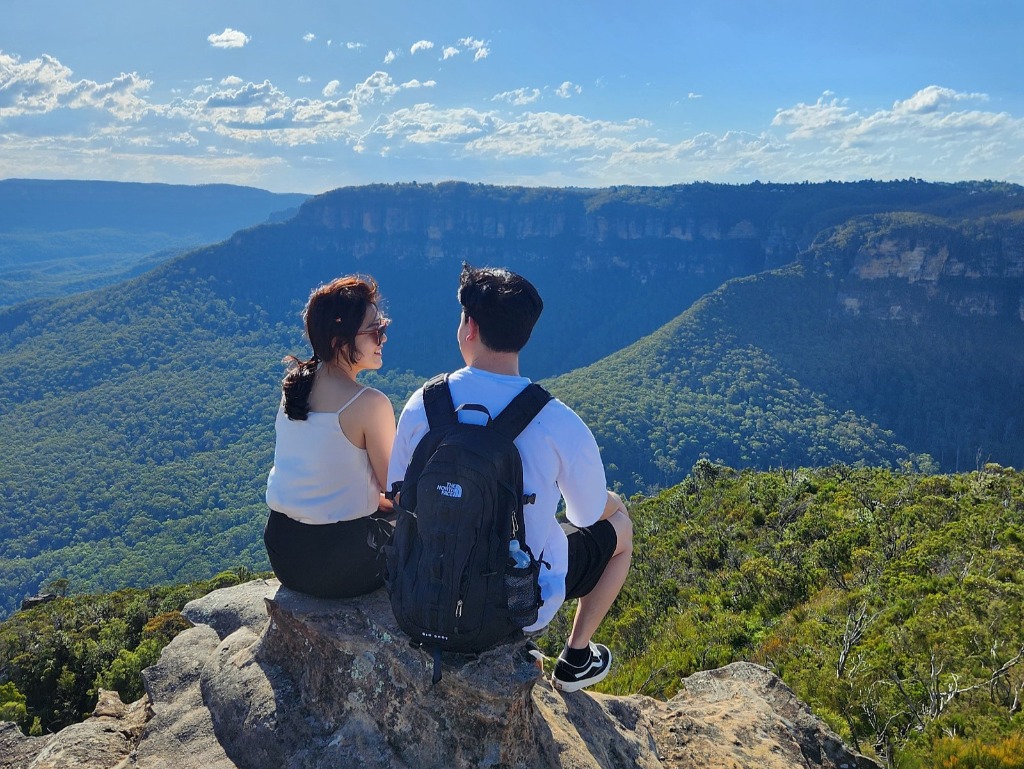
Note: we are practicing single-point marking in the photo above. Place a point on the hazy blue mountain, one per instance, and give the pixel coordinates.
(136, 420)
(61, 237)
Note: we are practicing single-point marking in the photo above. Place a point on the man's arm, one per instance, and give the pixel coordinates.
(412, 425)
(581, 478)
(615, 504)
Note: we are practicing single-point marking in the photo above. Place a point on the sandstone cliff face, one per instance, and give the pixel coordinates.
(436, 221)
(901, 267)
(269, 678)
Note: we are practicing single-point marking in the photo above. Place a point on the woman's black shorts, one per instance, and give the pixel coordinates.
(334, 560)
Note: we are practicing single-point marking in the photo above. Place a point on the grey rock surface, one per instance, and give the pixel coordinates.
(269, 678)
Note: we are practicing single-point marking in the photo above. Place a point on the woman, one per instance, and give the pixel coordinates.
(334, 439)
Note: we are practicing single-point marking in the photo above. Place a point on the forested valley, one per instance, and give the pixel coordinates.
(759, 326)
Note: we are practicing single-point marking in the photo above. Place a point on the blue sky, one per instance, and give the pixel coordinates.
(309, 96)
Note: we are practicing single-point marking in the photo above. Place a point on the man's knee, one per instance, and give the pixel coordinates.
(623, 526)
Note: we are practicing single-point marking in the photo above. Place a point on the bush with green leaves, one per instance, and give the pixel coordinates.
(55, 657)
(892, 602)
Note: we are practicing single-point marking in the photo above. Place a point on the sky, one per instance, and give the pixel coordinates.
(309, 96)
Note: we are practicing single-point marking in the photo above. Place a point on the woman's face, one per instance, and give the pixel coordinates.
(370, 339)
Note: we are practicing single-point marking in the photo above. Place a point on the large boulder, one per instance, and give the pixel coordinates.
(270, 678)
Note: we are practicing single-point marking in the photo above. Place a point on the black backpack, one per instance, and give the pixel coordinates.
(453, 583)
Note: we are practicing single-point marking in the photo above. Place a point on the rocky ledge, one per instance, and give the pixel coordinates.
(269, 678)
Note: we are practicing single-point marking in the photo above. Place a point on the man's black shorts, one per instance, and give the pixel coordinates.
(590, 550)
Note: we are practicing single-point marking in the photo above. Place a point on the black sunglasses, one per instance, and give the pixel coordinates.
(379, 329)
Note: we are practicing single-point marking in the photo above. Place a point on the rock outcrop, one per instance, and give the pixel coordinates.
(103, 741)
(269, 678)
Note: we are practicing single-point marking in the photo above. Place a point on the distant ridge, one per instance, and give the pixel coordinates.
(54, 205)
(61, 237)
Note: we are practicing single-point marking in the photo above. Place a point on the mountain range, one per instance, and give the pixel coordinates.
(760, 325)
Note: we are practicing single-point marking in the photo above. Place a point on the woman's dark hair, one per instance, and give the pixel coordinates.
(332, 316)
(504, 305)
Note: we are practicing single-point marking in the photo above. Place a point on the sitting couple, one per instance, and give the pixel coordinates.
(337, 450)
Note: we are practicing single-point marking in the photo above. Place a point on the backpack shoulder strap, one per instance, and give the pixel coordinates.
(522, 410)
(437, 402)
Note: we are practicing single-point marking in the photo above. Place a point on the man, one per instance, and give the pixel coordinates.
(560, 459)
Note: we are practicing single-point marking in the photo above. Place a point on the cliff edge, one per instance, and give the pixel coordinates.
(268, 678)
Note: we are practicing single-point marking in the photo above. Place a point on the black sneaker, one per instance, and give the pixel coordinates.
(569, 678)
(538, 657)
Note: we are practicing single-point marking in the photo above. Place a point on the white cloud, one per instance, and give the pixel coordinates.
(518, 97)
(355, 46)
(178, 162)
(120, 96)
(449, 52)
(304, 79)
(428, 124)
(735, 155)
(184, 138)
(934, 133)
(422, 45)
(547, 134)
(929, 127)
(229, 38)
(479, 47)
(692, 95)
(390, 57)
(309, 37)
(261, 112)
(378, 87)
(827, 115)
(43, 85)
(251, 94)
(934, 99)
(567, 90)
(937, 132)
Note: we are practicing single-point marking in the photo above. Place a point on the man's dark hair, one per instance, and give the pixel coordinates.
(504, 305)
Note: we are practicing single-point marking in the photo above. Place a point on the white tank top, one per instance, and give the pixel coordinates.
(318, 476)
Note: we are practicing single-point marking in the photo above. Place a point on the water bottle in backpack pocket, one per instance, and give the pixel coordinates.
(522, 585)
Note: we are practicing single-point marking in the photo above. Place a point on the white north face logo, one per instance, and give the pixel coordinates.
(450, 490)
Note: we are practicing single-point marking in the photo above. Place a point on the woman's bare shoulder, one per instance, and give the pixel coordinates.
(374, 402)
(376, 397)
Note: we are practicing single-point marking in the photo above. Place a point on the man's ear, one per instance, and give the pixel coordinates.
(472, 329)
